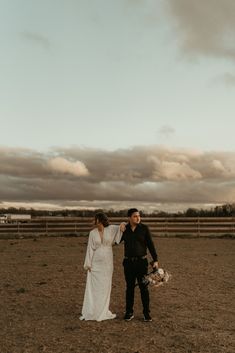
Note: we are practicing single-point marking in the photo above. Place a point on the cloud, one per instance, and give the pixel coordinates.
(173, 170)
(227, 79)
(61, 165)
(205, 27)
(149, 175)
(36, 38)
(26, 163)
(166, 131)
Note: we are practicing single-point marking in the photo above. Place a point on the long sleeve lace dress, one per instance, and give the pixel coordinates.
(99, 256)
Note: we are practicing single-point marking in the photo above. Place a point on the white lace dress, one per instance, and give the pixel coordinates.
(99, 256)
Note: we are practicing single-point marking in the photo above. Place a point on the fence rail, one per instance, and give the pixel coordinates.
(159, 226)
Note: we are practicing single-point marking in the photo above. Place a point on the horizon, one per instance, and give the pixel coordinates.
(110, 210)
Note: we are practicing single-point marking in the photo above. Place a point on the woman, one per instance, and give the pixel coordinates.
(99, 266)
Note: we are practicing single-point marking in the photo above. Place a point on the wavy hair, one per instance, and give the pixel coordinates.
(102, 218)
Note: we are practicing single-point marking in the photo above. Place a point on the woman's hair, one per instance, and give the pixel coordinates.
(102, 218)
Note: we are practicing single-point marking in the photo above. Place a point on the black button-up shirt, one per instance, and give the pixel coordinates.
(138, 241)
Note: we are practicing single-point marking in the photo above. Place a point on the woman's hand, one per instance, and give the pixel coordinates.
(123, 227)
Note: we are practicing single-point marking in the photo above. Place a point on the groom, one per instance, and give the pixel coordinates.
(137, 239)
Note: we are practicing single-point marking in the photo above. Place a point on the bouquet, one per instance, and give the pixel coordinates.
(156, 278)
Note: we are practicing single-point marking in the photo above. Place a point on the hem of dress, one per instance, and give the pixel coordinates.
(110, 317)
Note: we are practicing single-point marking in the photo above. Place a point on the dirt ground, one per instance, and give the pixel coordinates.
(42, 286)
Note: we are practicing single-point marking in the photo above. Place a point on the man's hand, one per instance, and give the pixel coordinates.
(155, 265)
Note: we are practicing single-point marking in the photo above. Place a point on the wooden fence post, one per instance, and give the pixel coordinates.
(166, 226)
(198, 227)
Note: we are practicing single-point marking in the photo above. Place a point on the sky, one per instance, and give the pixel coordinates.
(114, 104)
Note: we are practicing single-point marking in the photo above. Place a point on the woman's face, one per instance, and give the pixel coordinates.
(96, 221)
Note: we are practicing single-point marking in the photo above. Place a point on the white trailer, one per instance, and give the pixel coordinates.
(11, 218)
(3, 218)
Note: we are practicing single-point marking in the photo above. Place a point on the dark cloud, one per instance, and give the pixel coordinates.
(140, 174)
(205, 27)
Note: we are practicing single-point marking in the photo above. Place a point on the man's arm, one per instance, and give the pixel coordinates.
(151, 247)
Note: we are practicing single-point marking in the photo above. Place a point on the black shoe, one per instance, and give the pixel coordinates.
(128, 316)
(147, 318)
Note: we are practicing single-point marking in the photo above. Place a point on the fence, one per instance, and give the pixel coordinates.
(159, 226)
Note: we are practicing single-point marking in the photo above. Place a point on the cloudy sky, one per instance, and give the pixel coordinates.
(109, 103)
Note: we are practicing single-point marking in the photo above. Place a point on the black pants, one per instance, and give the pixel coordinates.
(136, 270)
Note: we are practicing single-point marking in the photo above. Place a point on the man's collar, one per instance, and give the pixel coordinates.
(137, 225)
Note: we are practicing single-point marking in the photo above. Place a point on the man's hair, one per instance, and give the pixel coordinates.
(131, 210)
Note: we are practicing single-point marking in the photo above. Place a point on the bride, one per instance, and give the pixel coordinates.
(99, 266)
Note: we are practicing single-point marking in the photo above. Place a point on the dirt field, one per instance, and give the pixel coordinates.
(42, 285)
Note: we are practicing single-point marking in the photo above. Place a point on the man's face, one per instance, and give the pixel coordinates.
(134, 218)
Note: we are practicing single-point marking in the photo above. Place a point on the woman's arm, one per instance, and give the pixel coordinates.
(117, 231)
(89, 253)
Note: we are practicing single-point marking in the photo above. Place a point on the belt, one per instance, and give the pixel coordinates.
(135, 258)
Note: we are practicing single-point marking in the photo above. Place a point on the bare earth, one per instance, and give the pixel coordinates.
(42, 285)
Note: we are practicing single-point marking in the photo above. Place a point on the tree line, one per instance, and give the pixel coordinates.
(226, 210)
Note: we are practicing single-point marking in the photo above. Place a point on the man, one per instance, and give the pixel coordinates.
(137, 239)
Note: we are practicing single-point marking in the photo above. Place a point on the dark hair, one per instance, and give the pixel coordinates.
(131, 210)
(102, 218)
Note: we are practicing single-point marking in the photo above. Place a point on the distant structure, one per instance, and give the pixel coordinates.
(12, 218)
(3, 218)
